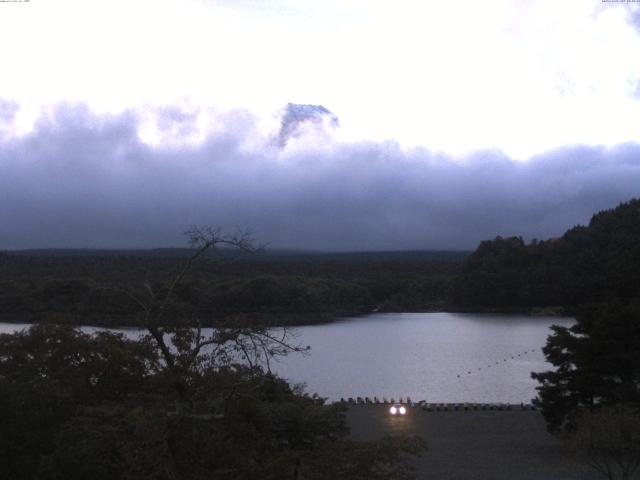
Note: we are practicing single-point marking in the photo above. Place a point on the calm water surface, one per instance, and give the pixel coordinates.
(438, 357)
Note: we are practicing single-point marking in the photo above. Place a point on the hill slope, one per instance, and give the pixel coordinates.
(588, 263)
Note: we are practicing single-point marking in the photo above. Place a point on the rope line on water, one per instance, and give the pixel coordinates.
(508, 358)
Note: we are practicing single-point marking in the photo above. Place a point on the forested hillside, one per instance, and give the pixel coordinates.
(97, 287)
(590, 263)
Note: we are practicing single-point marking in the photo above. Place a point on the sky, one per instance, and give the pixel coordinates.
(124, 123)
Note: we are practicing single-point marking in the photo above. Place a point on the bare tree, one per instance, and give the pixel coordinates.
(181, 342)
(609, 439)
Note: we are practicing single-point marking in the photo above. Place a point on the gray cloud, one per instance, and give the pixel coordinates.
(634, 16)
(635, 88)
(8, 111)
(84, 180)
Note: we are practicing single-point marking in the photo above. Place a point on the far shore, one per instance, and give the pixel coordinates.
(270, 319)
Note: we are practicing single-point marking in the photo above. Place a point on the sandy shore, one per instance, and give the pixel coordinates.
(467, 445)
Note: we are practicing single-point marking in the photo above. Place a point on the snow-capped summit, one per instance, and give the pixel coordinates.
(296, 116)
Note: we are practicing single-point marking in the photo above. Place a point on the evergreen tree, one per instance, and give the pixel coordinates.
(597, 364)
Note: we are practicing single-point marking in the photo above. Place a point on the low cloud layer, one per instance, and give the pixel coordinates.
(84, 180)
(634, 16)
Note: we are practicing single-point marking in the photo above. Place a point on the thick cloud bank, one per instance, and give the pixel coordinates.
(83, 180)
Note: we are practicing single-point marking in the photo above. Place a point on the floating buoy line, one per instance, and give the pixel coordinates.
(506, 359)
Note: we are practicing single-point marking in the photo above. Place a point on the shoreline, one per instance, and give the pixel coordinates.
(271, 319)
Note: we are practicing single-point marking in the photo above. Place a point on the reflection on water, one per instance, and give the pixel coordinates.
(438, 357)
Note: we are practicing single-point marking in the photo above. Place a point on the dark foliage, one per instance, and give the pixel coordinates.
(94, 287)
(598, 262)
(77, 406)
(47, 373)
(597, 364)
(609, 440)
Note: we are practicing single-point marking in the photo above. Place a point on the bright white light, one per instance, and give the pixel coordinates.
(393, 410)
(402, 410)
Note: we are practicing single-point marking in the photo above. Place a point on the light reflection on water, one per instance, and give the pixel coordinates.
(418, 355)
(422, 354)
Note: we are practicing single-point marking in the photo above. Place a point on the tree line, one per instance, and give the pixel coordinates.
(90, 287)
(594, 263)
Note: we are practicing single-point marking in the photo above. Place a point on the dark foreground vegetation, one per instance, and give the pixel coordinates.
(78, 406)
(175, 404)
(592, 397)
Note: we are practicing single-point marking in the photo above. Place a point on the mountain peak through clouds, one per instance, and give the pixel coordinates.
(297, 116)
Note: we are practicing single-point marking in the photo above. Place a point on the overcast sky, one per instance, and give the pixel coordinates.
(123, 123)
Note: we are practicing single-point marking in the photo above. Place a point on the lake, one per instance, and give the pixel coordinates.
(437, 357)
